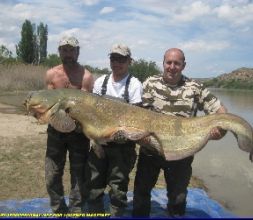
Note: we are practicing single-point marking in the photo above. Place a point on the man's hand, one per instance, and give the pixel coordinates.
(217, 133)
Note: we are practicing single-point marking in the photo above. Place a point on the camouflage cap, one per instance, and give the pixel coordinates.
(69, 40)
(121, 49)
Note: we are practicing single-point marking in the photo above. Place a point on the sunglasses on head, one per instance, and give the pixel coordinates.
(119, 59)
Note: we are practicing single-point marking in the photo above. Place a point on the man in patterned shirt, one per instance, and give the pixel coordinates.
(174, 94)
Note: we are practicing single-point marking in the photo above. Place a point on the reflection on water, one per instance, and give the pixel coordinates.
(225, 168)
(15, 99)
(238, 102)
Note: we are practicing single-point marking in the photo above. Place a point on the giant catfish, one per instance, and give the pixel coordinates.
(104, 119)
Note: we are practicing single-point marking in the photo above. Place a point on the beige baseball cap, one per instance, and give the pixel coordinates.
(121, 49)
(69, 40)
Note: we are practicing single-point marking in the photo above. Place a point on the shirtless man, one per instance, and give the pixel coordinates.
(70, 74)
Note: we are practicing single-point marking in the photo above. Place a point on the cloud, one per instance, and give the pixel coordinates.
(237, 15)
(41, 11)
(90, 2)
(158, 7)
(201, 45)
(146, 19)
(106, 10)
(23, 11)
(190, 12)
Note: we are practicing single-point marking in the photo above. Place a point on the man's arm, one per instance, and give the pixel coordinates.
(147, 97)
(218, 133)
(88, 81)
(222, 109)
(136, 92)
(48, 79)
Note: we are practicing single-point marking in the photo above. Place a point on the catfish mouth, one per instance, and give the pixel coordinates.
(41, 113)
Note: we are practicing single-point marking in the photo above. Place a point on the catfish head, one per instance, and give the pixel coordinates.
(48, 107)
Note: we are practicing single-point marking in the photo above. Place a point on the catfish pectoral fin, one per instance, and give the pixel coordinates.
(153, 144)
(122, 134)
(127, 133)
(62, 122)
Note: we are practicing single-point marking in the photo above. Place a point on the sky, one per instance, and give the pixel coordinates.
(215, 35)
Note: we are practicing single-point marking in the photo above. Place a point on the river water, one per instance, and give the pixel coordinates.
(225, 169)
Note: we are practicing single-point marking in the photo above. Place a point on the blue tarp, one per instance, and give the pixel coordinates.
(199, 205)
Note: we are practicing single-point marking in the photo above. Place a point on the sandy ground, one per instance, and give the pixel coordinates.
(22, 147)
(16, 125)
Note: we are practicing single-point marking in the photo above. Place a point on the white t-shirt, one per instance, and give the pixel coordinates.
(117, 89)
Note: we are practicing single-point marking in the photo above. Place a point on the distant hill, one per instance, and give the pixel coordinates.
(202, 80)
(239, 74)
(241, 78)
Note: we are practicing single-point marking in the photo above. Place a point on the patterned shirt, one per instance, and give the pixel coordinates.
(180, 100)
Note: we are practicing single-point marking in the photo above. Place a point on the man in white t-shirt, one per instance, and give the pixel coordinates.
(114, 168)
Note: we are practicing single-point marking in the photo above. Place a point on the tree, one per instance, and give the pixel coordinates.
(5, 52)
(6, 55)
(52, 60)
(42, 33)
(97, 70)
(142, 69)
(32, 47)
(26, 47)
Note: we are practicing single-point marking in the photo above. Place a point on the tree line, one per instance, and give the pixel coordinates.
(32, 49)
(230, 83)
